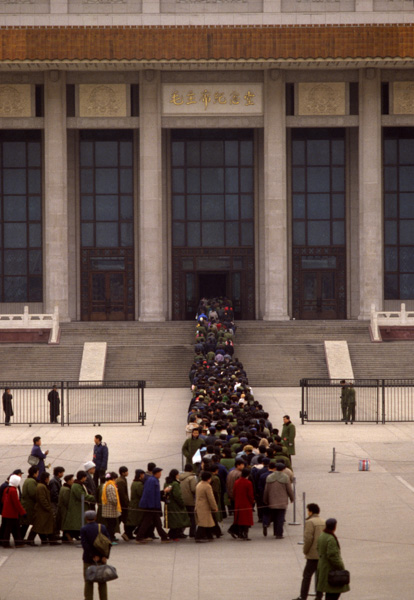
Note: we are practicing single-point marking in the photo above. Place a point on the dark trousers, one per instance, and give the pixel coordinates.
(350, 416)
(204, 533)
(150, 520)
(278, 518)
(111, 527)
(88, 589)
(191, 514)
(332, 596)
(11, 526)
(308, 571)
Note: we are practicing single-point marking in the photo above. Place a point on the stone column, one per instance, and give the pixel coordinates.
(275, 199)
(151, 258)
(370, 193)
(56, 289)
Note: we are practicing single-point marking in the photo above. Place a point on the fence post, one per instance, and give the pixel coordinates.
(302, 414)
(62, 404)
(67, 404)
(294, 503)
(304, 515)
(383, 401)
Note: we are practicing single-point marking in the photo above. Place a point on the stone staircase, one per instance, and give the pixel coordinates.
(274, 353)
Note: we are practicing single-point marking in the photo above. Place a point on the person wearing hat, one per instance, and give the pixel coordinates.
(190, 447)
(288, 436)
(92, 555)
(278, 491)
(54, 402)
(330, 559)
(314, 526)
(90, 468)
(11, 512)
(151, 503)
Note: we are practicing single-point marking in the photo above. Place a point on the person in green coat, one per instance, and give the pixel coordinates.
(63, 505)
(135, 513)
(73, 519)
(29, 500)
(176, 518)
(288, 436)
(330, 559)
(190, 447)
(44, 522)
(351, 404)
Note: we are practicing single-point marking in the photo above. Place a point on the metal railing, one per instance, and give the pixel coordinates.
(86, 402)
(377, 400)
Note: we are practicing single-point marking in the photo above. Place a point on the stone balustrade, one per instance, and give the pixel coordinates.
(32, 321)
(392, 318)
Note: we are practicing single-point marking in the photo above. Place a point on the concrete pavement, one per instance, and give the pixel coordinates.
(374, 511)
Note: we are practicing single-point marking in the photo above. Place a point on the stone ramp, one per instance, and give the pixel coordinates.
(338, 360)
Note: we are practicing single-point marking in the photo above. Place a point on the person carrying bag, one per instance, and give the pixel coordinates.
(96, 546)
(332, 577)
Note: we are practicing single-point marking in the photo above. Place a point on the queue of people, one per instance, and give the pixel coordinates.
(237, 467)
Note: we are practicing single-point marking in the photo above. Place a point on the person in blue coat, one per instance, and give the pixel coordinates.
(92, 555)
(100, 458)
(36, 451)
(151, 503)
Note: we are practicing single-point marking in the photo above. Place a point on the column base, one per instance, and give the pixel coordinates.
(152, 318)
(275, 317)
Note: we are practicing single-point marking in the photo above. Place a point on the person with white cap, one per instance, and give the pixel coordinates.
(90, 484)
(11, 513)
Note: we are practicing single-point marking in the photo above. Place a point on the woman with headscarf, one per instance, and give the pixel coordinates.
(44, 523)
(175, 514)
(73, 519)
(11, 512)
(29, 501)
(111, 506)
(63, 505)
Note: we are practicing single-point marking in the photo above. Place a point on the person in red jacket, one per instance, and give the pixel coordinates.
(243, 506)
(12, 511)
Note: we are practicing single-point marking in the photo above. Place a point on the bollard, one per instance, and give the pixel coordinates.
(294, 503)
(304, 515)
(333, 462)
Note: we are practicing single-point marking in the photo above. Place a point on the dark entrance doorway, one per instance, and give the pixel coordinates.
(211, 285)
(107, 296)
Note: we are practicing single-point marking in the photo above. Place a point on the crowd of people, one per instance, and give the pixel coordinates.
(237, 467)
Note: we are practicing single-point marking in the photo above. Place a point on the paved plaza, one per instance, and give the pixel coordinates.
(374, 511)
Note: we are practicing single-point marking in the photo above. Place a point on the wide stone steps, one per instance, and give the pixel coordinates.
(274, 354)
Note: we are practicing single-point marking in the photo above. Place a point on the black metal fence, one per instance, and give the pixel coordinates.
(377, 400)
(86, 402)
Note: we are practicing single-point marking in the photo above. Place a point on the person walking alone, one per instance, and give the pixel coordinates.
(314, 526)
(7, 406)
(330, 559)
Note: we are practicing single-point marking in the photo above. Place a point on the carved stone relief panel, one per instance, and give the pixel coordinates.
(321, 98)
(105, 6)
(16, 100)
(103, 100)
(308, 6)
(24, 6)
(211, 6)
(403, 97)
(393, 5)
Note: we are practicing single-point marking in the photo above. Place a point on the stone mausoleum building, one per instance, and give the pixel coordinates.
(154, 151)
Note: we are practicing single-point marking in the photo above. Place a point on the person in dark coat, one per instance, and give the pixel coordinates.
(54, 487)
(151, 503)
(43, 523)
(7, 406)
(135, 514)
(54, 401)
(122, 485)
(190, 447)
(92, 555)
(100, 458)
(36, 451)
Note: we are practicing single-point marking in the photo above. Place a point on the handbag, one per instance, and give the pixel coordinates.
(33, 460)
(339, 578)
(100, 573)
(102, 543)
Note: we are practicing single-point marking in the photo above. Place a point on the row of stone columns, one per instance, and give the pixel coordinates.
(152, 287)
